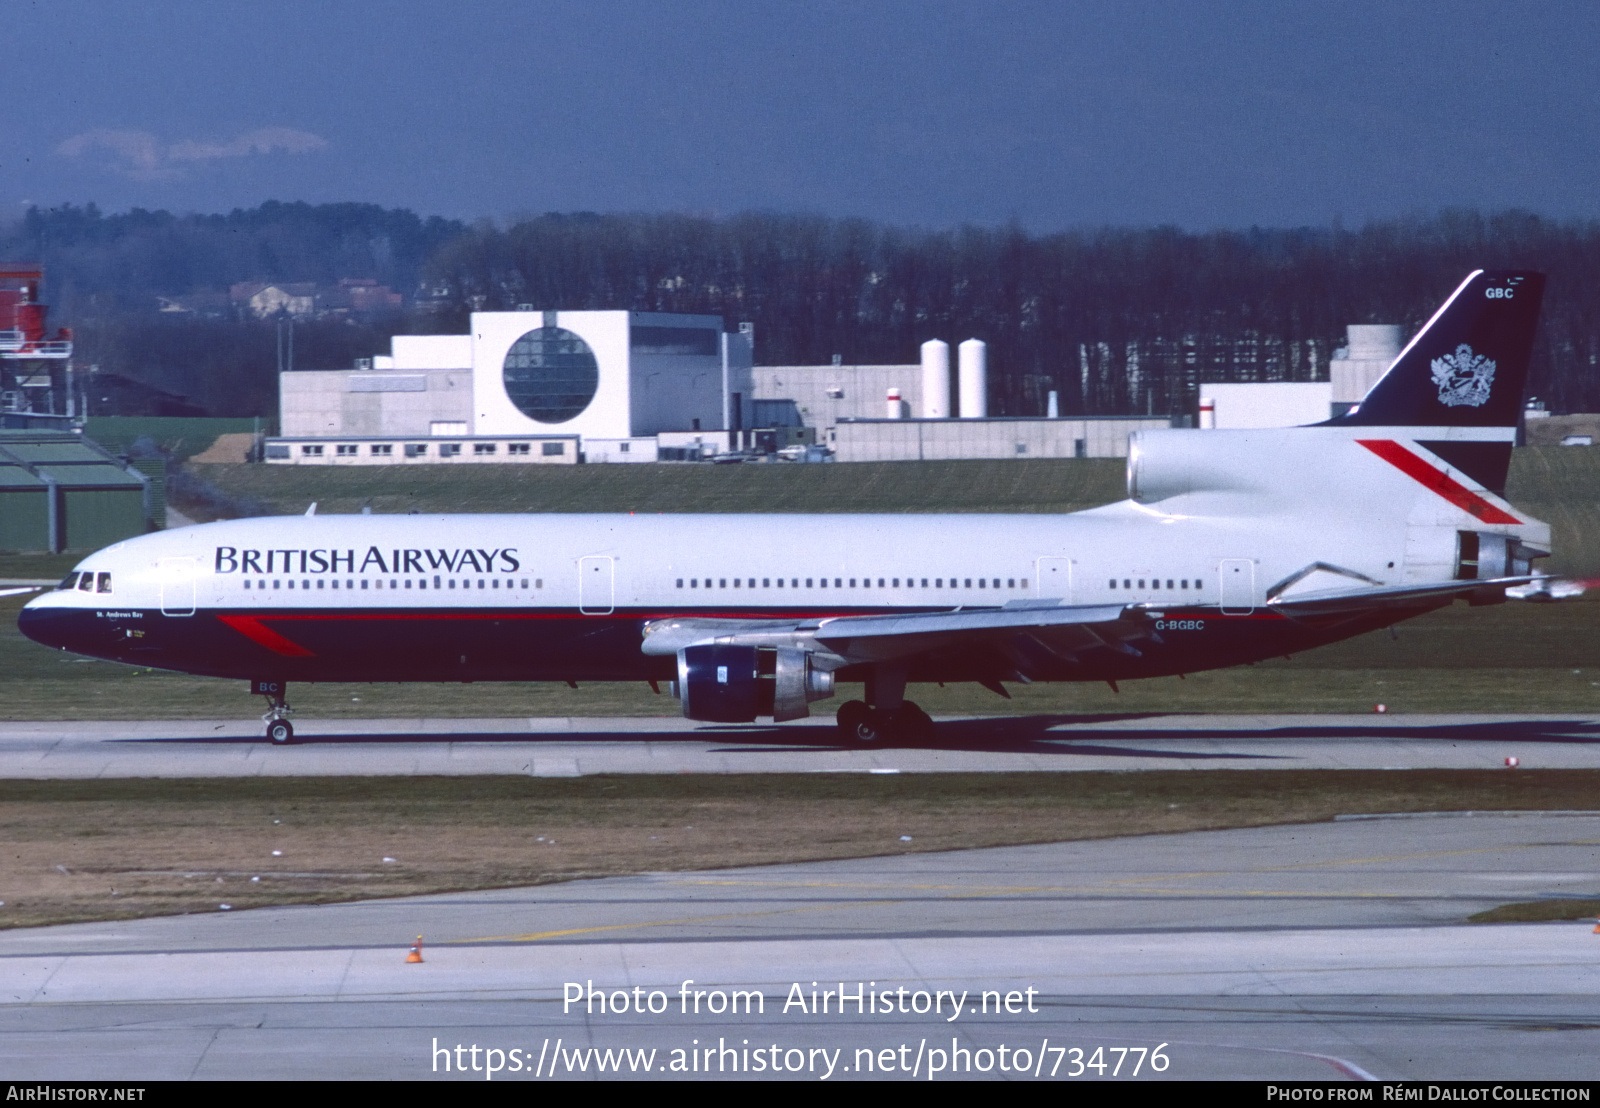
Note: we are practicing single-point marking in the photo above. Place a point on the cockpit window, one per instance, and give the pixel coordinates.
(70, 581)
(105, 583)
(86, 582)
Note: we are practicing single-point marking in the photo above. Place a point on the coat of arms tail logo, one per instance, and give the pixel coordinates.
(1463, 378)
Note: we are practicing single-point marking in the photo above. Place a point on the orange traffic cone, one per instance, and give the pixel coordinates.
(1597, 927)
(416, 951)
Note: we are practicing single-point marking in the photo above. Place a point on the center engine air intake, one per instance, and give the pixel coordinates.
(735, 684)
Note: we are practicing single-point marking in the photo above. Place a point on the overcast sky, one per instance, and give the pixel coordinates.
(932, 113)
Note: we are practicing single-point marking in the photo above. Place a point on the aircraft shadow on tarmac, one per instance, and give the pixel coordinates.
(1033, 734)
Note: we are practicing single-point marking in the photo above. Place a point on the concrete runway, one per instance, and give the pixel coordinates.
(575, 746)
(1321, 951)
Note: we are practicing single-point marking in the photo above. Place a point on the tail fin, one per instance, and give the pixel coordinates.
(1463, 375)
(1468, 366)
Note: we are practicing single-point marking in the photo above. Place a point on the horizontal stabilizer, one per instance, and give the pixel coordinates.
(1393, 596)
(1552, 588)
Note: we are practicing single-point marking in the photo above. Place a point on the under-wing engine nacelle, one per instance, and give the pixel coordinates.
(735, 684)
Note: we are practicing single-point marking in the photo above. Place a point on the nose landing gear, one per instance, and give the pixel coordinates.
(280, 732)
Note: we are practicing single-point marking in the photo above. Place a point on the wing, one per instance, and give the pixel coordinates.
(1032, 640)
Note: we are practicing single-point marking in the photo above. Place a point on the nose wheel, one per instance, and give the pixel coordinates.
(280, 732)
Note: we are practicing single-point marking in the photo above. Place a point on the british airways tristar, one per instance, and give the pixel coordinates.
(1232, 546)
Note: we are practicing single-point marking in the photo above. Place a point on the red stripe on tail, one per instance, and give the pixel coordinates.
(1436, 480)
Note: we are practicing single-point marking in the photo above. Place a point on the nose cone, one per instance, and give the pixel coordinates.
(49, 626)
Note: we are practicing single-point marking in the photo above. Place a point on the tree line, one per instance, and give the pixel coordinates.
(1115, 320)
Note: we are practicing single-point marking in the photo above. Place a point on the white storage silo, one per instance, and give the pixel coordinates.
(974, 377)
(935, 379)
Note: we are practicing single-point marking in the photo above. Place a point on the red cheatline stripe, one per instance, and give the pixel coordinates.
(250, 627)
(1436, 480)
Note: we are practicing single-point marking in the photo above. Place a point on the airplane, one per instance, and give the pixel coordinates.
(1232, 546)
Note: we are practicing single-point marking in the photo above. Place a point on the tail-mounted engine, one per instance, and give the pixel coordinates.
(1483, 556)
(735, 684)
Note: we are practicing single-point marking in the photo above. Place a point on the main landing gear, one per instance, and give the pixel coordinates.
(886, 715)
(280, 732)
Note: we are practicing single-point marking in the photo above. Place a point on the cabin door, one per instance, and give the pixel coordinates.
(177, 585)
(1237, 579)
(596, 585)
(1055, 579)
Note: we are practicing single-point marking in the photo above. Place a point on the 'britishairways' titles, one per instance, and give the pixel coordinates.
(233, 560)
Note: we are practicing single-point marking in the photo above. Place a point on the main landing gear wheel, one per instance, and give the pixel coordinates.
(280, 732)
(860, 725)
(863, 725)
(913, 725)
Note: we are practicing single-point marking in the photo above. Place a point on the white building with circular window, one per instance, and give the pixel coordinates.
(526, 386)
(606, 374)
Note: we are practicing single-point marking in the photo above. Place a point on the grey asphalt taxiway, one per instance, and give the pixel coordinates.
(1324, 951)
(565, 746)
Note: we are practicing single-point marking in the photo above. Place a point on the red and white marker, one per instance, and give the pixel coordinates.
(1381, 709)
(1512, 763)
